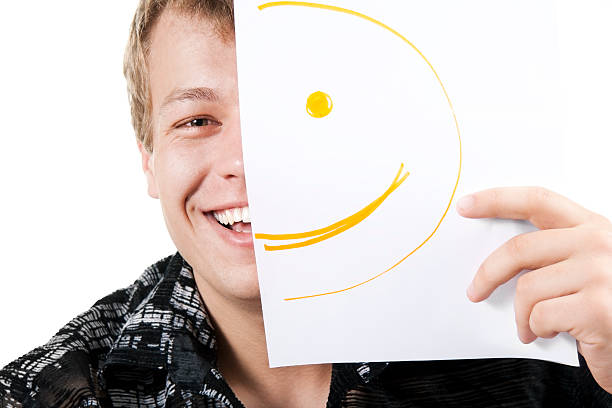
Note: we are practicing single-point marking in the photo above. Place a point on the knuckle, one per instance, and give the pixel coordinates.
(597, 239)
(516, 246)
(604, 240)
(495, 197)
(599, 270)
(485, 275)
(543, 193)
(601, 306)
(536, 318)
(599, 274)
(538, 195)
(523, 286)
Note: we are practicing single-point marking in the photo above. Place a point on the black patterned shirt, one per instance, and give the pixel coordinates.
(153, 345)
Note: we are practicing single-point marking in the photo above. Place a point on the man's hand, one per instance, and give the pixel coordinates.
(569, 284)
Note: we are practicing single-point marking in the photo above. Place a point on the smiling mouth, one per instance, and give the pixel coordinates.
(235, 219)
(336, 228)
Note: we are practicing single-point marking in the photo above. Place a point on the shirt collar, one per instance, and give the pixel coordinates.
(170, 332)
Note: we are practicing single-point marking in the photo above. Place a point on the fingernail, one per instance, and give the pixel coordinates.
(470, 291)
(465, 203)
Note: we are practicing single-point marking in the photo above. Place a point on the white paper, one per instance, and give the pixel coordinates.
(491, 65)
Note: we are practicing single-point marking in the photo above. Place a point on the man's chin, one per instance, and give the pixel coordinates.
(233, 284)
(245, 286)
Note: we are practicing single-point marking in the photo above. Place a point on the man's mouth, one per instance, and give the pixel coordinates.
(236, 219)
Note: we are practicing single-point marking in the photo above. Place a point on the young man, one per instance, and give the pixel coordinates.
(189, 331)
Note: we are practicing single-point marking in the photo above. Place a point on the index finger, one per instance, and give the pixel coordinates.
(542, 207)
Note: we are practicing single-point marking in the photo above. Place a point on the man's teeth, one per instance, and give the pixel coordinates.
(232, 215)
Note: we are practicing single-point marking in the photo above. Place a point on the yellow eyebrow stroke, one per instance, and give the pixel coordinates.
(450, 104)
(335, 228)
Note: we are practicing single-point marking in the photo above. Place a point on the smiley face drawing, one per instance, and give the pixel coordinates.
(397, 112)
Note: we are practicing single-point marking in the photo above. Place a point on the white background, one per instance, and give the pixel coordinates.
(75, 220)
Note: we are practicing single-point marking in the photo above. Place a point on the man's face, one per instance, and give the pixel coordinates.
(196, 166)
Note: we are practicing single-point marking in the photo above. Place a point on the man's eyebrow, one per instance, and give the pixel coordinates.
(188, 94)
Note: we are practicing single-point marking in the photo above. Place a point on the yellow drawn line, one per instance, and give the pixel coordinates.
(335, 228)
(381, 24)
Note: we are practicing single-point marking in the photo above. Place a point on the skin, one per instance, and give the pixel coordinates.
(196, 165)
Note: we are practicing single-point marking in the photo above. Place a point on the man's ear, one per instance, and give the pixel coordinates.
(149, 170)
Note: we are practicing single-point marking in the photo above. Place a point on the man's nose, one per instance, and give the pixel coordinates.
(231, 164)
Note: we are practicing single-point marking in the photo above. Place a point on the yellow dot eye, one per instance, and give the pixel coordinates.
(319, 104)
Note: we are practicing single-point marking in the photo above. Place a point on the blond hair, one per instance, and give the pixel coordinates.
(219, 12)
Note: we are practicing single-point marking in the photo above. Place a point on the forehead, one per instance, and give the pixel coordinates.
(186, 52)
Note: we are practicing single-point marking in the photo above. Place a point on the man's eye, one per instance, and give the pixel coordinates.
(199, 122)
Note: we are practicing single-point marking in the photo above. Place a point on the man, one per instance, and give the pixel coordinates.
(189, 331)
